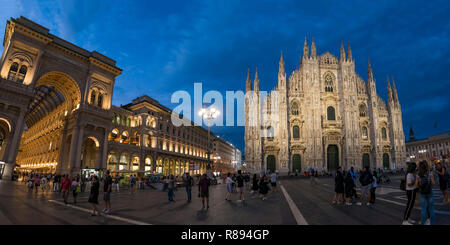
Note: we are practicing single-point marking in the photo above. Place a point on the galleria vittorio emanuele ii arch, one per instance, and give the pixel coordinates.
(56, 115)
(54, 103)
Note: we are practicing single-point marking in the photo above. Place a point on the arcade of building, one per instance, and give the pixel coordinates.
(56, 114)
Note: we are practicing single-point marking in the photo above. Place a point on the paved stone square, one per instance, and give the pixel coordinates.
(19, 205)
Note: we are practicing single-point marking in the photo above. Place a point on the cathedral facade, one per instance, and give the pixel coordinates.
(323, 115)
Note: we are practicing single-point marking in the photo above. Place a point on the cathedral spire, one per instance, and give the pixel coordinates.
(395, 95)
(305, 50)
(369, 72)
(281, 67)
(342, 59)
(349, 53)
(256, 83)
(313, 49)
(411, 134)
(248, 83)
(389, 90)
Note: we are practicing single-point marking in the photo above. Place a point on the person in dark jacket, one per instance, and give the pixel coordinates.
(255, 184)
(349, 185)
(93, 196)
(365, 179)
(338, 187)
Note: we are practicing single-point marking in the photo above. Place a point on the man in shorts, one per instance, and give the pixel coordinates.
(65, 186)
(107, 192)
(366, 182)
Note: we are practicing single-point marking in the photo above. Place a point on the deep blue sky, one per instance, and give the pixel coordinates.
(164, 46)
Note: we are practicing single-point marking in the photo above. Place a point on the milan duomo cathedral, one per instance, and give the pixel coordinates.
(323, 116)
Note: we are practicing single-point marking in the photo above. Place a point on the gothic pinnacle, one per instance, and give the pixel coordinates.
(313, 49)
(248, 83)
(281, 67)
(256, 84)
(342, 52)
(349, 53)
(305, 50)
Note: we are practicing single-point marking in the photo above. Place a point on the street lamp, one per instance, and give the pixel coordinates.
(209, 114)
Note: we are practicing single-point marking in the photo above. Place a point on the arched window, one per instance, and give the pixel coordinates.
(331, 113)
(362, 110)
(100, 100)
(328, 83)
(13, 71)
(294, 109)
(22, 73)
(93, 94)
(364, 132)
(383, 133)
(296, 132)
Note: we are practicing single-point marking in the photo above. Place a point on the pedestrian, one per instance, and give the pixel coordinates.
(366, 182)
(107, 186)
(373, 187)
(132, 183)
(189, 182)
(75, 189)
(93, 196)
(349, 185)
(425, 182)
(255, 186)
(411, 191)
(273, 181)
(263, 188)
(354, 177)
(65, 185)
(116, 183)
(240, 186)
(37, 182)
(338, 187)
(43, 183)
(170, 187)
(203, 189)
(444, 176)
(229, 183)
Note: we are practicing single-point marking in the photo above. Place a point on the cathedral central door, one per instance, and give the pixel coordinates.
(332, 158)
(296, 163)
(366, 160)
(386, 161)
(271, 165)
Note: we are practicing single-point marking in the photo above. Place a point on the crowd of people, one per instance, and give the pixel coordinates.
(417, 180)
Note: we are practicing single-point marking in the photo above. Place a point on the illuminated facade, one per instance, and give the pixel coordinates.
(326, 116)
(56, 114)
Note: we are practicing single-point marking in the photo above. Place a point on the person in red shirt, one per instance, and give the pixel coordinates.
(65, 186)
(203, 189)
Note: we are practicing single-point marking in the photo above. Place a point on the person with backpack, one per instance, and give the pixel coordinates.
(354, 178)
(349, 185)
(255, 186)
(189, 182)
(373, 188)
(425, 182)
(338, 187)
(443, 175)
(366, 182)
(411, 191)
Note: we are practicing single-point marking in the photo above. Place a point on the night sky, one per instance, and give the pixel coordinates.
(164, 46)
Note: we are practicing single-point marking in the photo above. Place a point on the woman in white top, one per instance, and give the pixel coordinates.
(229, 183)
(410, 192)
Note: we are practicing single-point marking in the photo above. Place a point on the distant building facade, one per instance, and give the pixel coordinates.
(327, 116)
(436, 146)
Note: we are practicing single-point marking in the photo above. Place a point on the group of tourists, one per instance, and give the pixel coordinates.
(421, 180)
(418, 179)
(345, 183)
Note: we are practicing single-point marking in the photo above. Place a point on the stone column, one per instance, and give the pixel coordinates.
(104, 159)
(13, 147)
